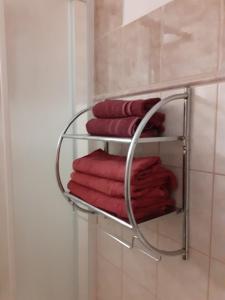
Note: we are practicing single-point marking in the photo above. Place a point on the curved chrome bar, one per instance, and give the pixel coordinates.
(58, 151)
(127, 191)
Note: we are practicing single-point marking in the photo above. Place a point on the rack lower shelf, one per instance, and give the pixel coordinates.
(104, 213)
(145, 140)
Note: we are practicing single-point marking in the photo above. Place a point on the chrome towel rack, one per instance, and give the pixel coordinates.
(83, 206)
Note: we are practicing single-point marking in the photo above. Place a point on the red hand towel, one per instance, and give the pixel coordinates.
(155, 202)
(160, 177)
(99, 163)
(124, 127)
(123, 108)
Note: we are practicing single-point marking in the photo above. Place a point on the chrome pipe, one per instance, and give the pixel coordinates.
(118, 240)
(158, 139)
(186, 173)
(99, 211)
(57, 161)
(132, 245)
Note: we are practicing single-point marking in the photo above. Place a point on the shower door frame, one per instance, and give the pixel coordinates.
(7, 258)
(86, 237)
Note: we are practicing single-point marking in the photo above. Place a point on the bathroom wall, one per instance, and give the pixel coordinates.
(6, 237)
(37, 45)
(180, 43)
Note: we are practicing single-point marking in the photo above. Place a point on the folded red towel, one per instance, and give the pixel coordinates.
(101, 164)
(124, 127)
(156, 203)
(159, 177)
(123, 108)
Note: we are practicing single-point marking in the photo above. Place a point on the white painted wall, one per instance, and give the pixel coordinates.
(6, 220)
(83, 95)
(135, 9)
(45, 251)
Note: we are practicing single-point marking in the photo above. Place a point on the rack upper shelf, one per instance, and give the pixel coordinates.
(123, 140)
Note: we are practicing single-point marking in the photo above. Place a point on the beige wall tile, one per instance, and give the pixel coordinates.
(174, 114)
(171, 153)
(101, 79)
(141, 268)
(109, 281)
(142, 150)
(108, 63)
(201, 185)
(217, 282)
(188, 48)
(218, 232)
(108, 16)
(109, 248)
(171, 225)
(200, 214)
(203, 127)
(109, 226)
(115, 65)
(132, 290)
(141, 51)
(148, 228)
(222, 41)
(179, 279)
(220, 140)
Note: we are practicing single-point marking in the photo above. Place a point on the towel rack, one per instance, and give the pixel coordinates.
(136, 139)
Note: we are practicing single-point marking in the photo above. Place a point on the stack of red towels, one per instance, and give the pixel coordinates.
(120, 118)
(98, 179)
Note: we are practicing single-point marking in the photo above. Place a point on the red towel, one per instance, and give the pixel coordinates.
(123, 108)
(101, 164)
(124, 127)
(155, 204)
(158, 177)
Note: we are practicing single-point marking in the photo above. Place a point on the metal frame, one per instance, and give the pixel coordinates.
(186, 97)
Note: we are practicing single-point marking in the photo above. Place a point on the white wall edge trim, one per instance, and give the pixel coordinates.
(6, 211)
(92, 220)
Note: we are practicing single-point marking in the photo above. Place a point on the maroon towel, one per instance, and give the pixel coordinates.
(159, 177)
(123, 108)
(151, 206)
(100, 163)
(124, 127)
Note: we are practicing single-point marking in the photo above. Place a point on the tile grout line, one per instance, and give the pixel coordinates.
(109, 262)
(219, 260)
(159, 151)
(122, 262)
(123, 272)
(213, 190)
(140, 284)
(97, 270)
(163, 235)
(196, 170)
(157, 266)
